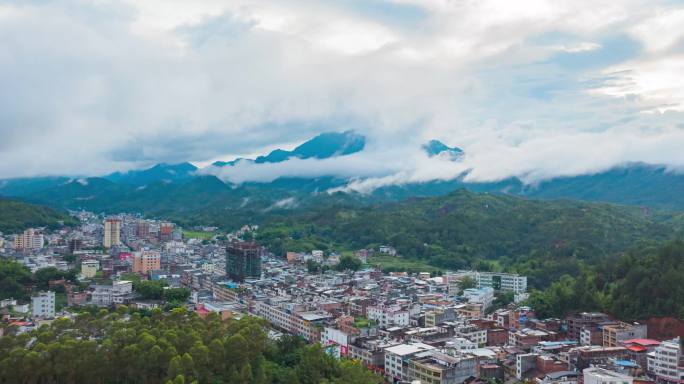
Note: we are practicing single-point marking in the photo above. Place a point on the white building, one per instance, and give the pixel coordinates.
(595, 375)
(397, 359)
(43, 305)
(333, 336)
(89, 268)
(484, 296)
(117, 293)
(461, 344)
(501, 281)
(667, 363)
(387, 316)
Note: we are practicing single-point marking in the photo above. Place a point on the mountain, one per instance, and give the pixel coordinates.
(15, 216)
(436, 147)
(159, 172)
(323, 146)
(28, 185)
(634, 184)
(173, 189)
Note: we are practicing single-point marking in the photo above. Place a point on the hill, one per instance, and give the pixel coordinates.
(544, 239)
(15, 216)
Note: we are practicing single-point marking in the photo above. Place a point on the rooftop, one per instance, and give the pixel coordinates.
(408, 349)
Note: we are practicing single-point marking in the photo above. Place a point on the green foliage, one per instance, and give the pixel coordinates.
(15, 216)
(467, 283)
(15, 280)
(348, 263)
(544, 239)
(314, 266)
(648, 280)
(175, 347)
(43, 276)
(149, 290)
(644, 282)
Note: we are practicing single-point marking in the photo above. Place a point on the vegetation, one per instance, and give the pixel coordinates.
(544, 239)
(577, 255)
(348, 263)
(176, 347)
(399, 264)
(16, 216)
(17, 281)
(198, 235)
(646, 281)
(467, 283)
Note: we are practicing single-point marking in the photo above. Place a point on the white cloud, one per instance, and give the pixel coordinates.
(89, 88)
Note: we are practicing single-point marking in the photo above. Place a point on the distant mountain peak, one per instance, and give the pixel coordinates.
(322, 146)
(436, 147)
(158, 172)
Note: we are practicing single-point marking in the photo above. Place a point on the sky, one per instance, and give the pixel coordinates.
(534, 89)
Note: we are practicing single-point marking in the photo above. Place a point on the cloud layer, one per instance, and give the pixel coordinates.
(535, 89)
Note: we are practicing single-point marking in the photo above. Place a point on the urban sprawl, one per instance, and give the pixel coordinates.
(417, 328)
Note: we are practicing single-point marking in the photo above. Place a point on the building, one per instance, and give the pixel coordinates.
(30, 239)
(524, 363)
(145, 261)
(484, 296)
(43, 305)
(583, 320)
(243, 261)
(667, 363)
(89, 268)
(501, 281)
(142, 229)
(387, 316)
(398, 357)
(596, 375)
(112, 232)
(439, 368)
(166, 231)
(119, 292)
(615, 334)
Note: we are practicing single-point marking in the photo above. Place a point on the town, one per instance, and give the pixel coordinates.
(454, 327)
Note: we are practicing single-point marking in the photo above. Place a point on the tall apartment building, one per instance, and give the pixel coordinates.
(501, 281)
(145, 261)
(30, 239)
(243, 260)
(166, 231)
(142, 229)
(615, 334)
(43, 305)
(112, 232)
(667, 364)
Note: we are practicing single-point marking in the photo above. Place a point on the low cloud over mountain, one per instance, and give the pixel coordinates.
(533, 90)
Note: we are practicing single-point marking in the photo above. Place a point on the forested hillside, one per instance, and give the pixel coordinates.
(466, 229)
(644, 282)
(578, 255)
(15, 216)
(156, 348)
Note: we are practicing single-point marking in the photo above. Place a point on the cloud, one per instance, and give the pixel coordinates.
(534, 89)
